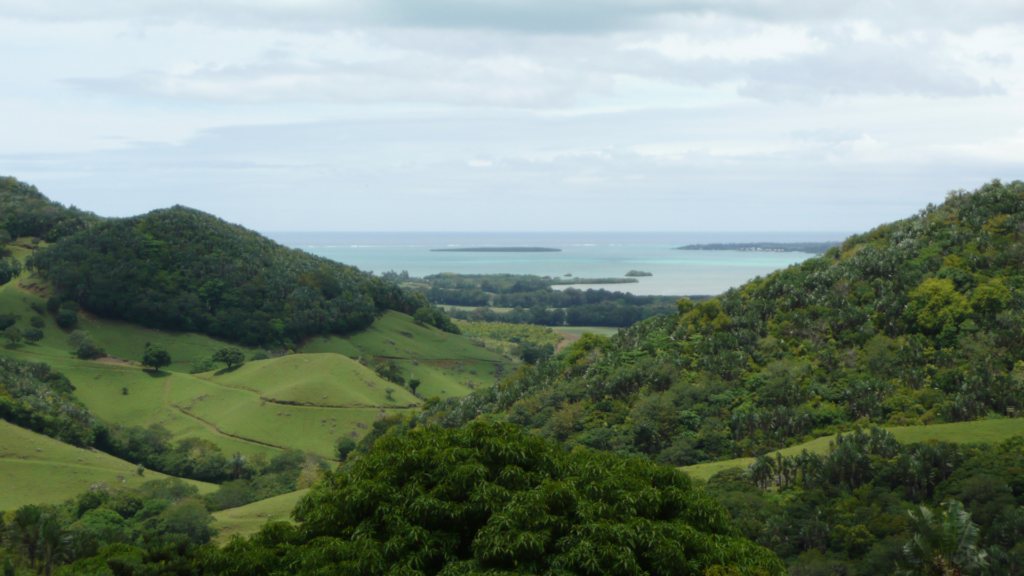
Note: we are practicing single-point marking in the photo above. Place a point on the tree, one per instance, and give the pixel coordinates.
(489, 499)
(156, 356)
(231, 355)
(945, 542)
(389, 392)
(67, 318)
(33, 334)
(344, 447)
(424, 317)
(414, 383)
(37, 322)
(89, 350)
(13, 335)
(53, 541)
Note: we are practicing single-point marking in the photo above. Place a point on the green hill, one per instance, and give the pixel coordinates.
(314, 379)
(24, 211)
(916, 322)
(184, 270)
(35, 469)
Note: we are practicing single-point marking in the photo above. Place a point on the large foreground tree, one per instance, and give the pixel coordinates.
(490, 499)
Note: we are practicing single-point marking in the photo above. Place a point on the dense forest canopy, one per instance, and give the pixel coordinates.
(489, 499)
(182, 269)
(24, 211)
(915, 322)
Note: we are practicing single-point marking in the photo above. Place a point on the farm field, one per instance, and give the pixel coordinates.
(247, 519)
(36, 469)
(977, 432)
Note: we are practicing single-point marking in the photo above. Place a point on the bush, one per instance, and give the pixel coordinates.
(89, 350)
(33, 334)
(67, 319)
(37, 321)
(259, 355)
(202, 365)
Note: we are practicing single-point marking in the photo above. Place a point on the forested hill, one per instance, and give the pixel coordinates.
(917, 321)
(182, 269)
(24, 211)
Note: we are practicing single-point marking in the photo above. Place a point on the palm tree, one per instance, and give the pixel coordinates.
(53, 540)
(238, 461)
(945, 543)
(27, 525)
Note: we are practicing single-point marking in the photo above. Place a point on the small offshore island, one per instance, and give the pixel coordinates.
(638, 274)
(806, 247)
(498, 249)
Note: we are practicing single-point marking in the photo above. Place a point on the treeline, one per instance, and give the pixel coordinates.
(916, 322)
(604, 314)
(181, 269)
(858, 509)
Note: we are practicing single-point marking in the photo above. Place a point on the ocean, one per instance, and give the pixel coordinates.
(583, 254)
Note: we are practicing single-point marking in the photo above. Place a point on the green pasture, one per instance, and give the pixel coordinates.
(120, 339)
(977, 432)
(448, 378)
(247, 519)
(36, 469)
(321, 379)
(395, 335)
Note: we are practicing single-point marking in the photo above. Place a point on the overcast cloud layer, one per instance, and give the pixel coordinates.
(513, 115)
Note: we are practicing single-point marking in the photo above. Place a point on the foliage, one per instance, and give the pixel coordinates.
(872, 503)
(430, 316)
(487, 498)
(26, 212)
(528, 334)
(181, 269)
(13, 335)
(231, 355)
(915, 322)
(944, 541)
(156, 356)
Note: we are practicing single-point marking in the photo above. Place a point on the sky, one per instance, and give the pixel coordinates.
(513, 115)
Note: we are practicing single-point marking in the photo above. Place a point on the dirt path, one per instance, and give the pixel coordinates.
(569, 338)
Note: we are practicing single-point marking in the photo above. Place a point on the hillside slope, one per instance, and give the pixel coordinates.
(35, 469)
(915, 322)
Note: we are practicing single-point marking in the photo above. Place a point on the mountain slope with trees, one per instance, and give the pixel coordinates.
(24, 211)
(915, 322)
(184, 270)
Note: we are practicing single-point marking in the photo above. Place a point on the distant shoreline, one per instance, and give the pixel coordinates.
(498, 249)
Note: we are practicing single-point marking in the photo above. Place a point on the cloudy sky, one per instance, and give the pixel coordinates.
(574, 115)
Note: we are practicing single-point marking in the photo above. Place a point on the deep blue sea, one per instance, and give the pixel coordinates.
(584, 254)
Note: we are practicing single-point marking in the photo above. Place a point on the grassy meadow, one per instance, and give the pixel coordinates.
(247, 519)
(36, 469)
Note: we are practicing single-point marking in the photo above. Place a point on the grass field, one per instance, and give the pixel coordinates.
(252, 409)
(395, 335)
(247, 519)
(321, 379)
(36, 469)
(979, 432)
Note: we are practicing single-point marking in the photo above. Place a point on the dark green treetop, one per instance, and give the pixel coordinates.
(490, 499)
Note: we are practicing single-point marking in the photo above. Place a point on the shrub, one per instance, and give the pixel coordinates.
(67, 319)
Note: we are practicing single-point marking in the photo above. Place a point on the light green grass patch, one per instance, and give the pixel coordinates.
(448, 378)
(317, 379)
(978, 432)
(395, 335)
(36, 469)
(246, 520)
